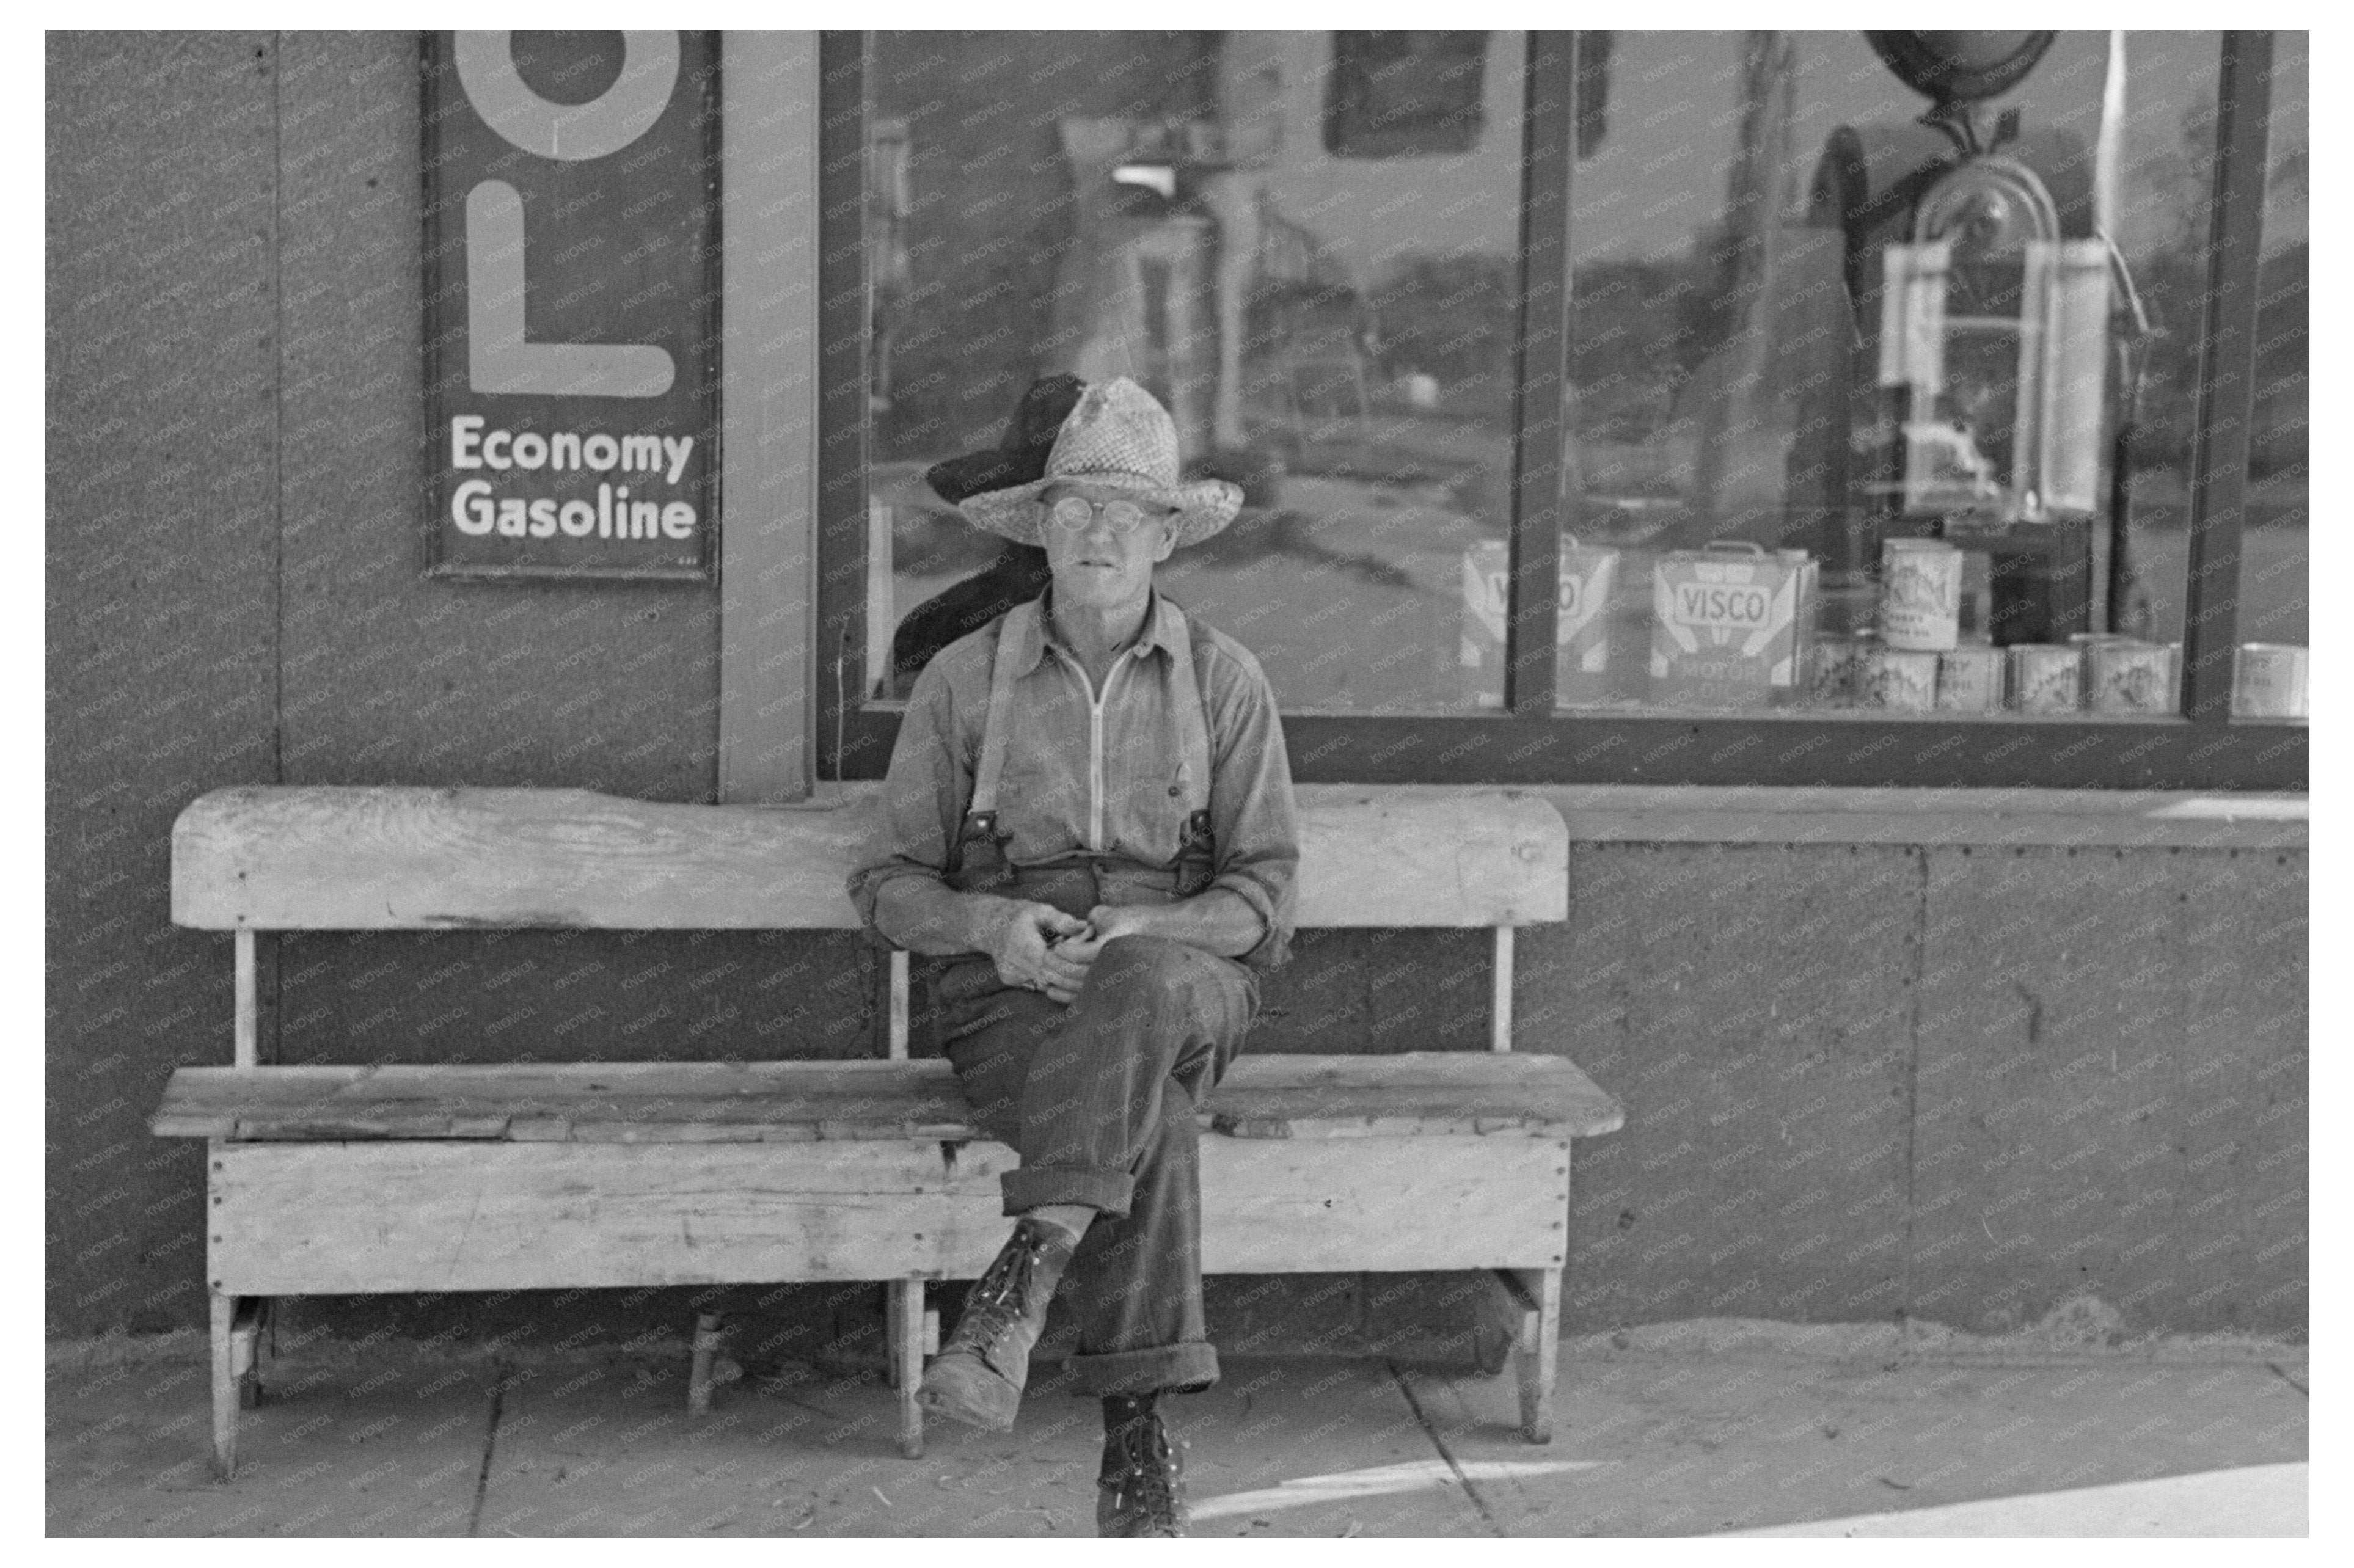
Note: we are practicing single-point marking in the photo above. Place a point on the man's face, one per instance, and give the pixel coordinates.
(1096, 567)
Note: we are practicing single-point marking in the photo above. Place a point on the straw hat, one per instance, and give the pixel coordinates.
(1122, 438)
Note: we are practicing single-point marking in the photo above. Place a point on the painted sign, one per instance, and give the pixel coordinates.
(571, 314)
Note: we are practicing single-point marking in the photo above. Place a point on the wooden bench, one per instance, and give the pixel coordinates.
(340, 1180)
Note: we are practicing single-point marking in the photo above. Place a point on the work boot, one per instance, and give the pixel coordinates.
(1141, 1491)
(979, 1373)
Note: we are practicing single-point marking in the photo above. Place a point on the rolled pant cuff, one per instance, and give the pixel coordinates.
(1191, 1367)
(1036, 1186)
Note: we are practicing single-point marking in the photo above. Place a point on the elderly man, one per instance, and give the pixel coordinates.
(1091, 834)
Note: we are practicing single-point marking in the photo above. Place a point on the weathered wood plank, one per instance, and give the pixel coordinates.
(1268, 1096)
(945, 1109)
(1436, 1069)
(1371, 857)
(1381, 1204)
(569, 1080)
(1494, 1110)
(896, 1035)
(302, 1219)
(1537, 1356)
(327, 857)
(292, 1084)
(391, 1098)
(245, 1350)
(1500, 993)
(469, 1116)
(323, 1129)
(710, 1337)
(1441, 1070)
(1508, 1320)
(1419, 1126)
(246, 1028)
(225, 1401)
(904, 1315)
(321, 857)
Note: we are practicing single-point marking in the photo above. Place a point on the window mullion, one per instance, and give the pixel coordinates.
(2227, 362)
(1535, 560)
(843, 316)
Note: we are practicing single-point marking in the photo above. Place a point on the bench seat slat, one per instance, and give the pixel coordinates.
(797, 1123)
(1266, 1097)
(387, 1085)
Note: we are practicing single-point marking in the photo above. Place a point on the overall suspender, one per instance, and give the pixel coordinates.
(1196, 851)
(1195, 855)
(981, 812)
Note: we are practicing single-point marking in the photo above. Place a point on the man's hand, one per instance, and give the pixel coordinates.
(1219, 921)
(1104, 922)
(1027, 959)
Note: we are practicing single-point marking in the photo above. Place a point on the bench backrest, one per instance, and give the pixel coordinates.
(348, 857)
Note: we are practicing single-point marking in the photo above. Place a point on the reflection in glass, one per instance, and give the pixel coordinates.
(1305, 244)
(1812, 319)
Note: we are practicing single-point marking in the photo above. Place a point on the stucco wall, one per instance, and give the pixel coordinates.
(1961, 1083)
(235, 595)
(162, 538)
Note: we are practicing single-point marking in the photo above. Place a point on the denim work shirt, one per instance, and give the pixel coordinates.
(1097, 783)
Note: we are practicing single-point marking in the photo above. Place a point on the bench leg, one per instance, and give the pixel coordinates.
(246, 1328)
(904, 1308)
(225, 1385)
(710, 1334)
(1522, 1325)
(1503, 1323)
(1539, 1351)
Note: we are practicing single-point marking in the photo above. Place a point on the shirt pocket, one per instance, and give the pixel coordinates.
(1146, 781)
(1042, 791)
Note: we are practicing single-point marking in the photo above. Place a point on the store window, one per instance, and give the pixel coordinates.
(1305, 244)
(1836, 379)
(1867, 419)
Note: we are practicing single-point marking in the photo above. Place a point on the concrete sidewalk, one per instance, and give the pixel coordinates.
(2259, 1499)
(1678, 1430)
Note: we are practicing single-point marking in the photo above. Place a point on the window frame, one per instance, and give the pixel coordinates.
(1528, 741)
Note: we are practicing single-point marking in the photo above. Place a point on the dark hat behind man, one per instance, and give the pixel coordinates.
(1020, 572)
(1020, 455)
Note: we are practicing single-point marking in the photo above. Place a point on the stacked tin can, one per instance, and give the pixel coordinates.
(2045, 677)
(1971, 679)
(1835, 667)
(1903, 679)
(2127, 675)
(1730, 625)
(1920, 625)
(2268, 680)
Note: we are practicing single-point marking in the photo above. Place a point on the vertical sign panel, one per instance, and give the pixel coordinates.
(572, 302)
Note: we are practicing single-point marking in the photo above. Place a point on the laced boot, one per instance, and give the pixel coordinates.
(1141, 1491)
(978, 1376)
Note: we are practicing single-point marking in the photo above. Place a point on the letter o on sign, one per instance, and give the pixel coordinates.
(572, 132)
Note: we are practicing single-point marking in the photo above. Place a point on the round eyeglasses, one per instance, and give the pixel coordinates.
(1076, 511)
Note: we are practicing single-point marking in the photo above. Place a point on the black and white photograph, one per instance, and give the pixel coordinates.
(1075, 781)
